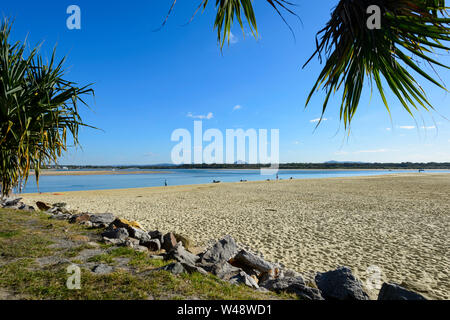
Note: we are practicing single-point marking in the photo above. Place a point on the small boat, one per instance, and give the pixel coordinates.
(216, 181)
(421, 170)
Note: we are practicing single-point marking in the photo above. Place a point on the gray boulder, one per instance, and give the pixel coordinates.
(220, 252)
(247, 260)
(116, 242)
(131, 243)
(102, 269)
(119, 233)
(392, 291)
(294, 285)
(340, 284)
(192, 268)
(61, 216)
(156, 235)
(174, 268)
(224, 270)
(180, 254)
(152, 244)
(139, 234)
(244, 278)
(101, 220)
(60, 205)
(10, 202)
(26, 207)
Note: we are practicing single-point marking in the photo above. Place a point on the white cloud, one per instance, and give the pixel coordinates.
(317, 120)
(340, 153)
(407, 127)
(296, 142)
(388, 129)
(233, 39)
(429, 128)
(200, 116)
(237, 107)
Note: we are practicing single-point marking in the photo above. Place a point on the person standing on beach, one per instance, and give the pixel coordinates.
(165, 183)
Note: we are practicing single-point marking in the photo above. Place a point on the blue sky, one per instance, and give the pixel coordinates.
(147, 84)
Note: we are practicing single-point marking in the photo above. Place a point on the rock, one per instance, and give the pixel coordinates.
(60, 205)
(192, 268)
(174, 268)
(123, 223)
(187, 243)
(156, 235)
(289, 274)
(221, 251)
(131, 243)
(101, 220)
(340, 284)
(119, 233)
(392, 291)
(292, 285)
(43, 206)
(87, 224)
(245, 259)
(169, 241)
(115, 242)
(152, 244)
(139, 234)
(78, 218)
(26, 207)
(244, 278)
(10, 202)
(102, 269)
(140, 248)
(180, 254)
(224, 271)
(61, 216)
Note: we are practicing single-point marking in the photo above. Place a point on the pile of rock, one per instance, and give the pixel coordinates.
(226, 260)
(14, 203)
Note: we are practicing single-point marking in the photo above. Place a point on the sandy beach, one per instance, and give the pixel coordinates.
(397, 225)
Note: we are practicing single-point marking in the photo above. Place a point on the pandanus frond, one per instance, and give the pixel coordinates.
(411, 31)
(228, 10)
(38, 107)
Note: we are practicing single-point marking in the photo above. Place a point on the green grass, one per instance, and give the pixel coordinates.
(25, 236)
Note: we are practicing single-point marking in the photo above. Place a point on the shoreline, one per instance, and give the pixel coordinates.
(396, 222)
(233, 182)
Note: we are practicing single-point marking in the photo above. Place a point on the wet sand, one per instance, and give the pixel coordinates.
(393, 227)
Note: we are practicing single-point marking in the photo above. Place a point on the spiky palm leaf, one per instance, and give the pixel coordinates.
(410, 30)
(37, 110)
(228, 10)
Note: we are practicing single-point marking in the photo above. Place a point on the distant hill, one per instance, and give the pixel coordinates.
(317, 166)
(334, 161)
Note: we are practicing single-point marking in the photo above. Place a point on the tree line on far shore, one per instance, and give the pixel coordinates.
(318, 166)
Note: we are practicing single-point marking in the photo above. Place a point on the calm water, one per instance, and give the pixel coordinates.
(178, 177)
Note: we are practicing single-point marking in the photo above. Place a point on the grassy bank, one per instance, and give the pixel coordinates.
(35, 252)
